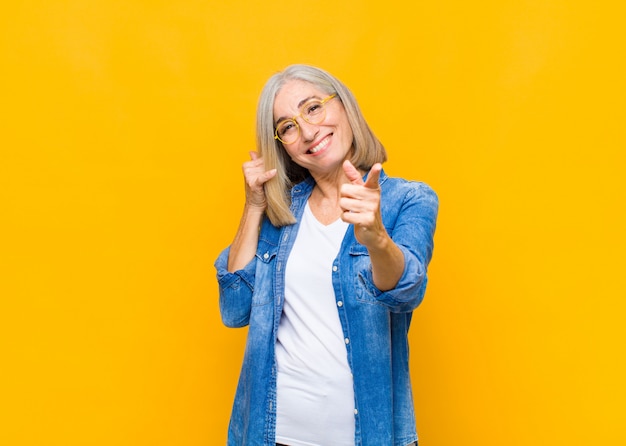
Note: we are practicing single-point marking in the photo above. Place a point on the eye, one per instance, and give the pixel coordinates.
(312, 108)
(286, 127)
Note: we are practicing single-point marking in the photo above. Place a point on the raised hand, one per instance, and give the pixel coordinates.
(255, 177)
(244, 245)
(360, 202)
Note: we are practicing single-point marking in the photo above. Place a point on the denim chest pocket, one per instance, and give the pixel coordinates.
(362, 265)
(264, 274)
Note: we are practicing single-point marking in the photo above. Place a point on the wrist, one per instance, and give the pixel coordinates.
(252, 208)
(380, 244)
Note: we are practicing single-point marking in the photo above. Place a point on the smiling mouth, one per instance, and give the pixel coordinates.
(323, 143)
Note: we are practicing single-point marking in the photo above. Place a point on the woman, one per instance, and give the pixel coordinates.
(326, 267)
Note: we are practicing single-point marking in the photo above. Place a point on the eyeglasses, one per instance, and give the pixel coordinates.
(312, 111)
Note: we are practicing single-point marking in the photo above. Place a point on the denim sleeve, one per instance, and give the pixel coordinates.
(235, 291)
(413, 233)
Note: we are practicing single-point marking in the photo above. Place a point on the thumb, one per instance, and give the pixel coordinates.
(373, 176)
(353, 175)
(253, 155)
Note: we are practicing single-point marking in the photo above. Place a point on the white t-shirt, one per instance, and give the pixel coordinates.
(315, 395)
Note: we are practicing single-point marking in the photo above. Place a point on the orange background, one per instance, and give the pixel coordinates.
(124, 126)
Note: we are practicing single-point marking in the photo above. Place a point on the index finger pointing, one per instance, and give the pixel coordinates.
(373, 176)
(353, 175)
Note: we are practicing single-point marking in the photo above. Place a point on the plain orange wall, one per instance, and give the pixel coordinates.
(124, 125)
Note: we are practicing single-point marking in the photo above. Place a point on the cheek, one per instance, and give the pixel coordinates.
(291, 152)
(344, 124)
(349, 136)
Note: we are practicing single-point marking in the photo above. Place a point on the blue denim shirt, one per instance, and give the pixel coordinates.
(375, 323)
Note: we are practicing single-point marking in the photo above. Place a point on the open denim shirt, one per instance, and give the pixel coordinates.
(375, 324)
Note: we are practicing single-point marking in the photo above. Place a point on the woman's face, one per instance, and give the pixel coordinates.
(321, 148)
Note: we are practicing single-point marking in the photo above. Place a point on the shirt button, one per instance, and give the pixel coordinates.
(356, 411)
(266, 256)
(340, 304)
(347, 340)
(335, 268)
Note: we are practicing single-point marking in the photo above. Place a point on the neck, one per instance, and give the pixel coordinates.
(324, 201)
(328, 185)
(328, 190)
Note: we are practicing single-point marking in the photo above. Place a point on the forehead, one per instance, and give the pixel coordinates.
(292, 94)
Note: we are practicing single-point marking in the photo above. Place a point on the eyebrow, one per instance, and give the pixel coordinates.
(300, 104)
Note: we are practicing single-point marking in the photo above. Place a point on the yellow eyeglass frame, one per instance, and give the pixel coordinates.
(301, 115)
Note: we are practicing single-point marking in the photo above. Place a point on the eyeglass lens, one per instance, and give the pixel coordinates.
(313, 112)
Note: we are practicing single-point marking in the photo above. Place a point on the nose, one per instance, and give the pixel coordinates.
(309, 131)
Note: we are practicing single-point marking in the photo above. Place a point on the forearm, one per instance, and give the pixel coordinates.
(244, 245)
(387, 263)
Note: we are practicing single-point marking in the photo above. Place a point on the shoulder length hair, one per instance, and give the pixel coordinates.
(366, 148)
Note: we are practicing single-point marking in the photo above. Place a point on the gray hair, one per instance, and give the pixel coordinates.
(366, 148)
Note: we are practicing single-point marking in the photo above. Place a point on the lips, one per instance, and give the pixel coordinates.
(321, 145)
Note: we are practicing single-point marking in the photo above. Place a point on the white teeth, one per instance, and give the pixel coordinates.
(320, 146)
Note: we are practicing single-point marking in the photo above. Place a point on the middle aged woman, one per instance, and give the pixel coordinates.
(326, 267)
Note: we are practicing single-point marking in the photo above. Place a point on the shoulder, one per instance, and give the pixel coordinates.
(400, 189)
